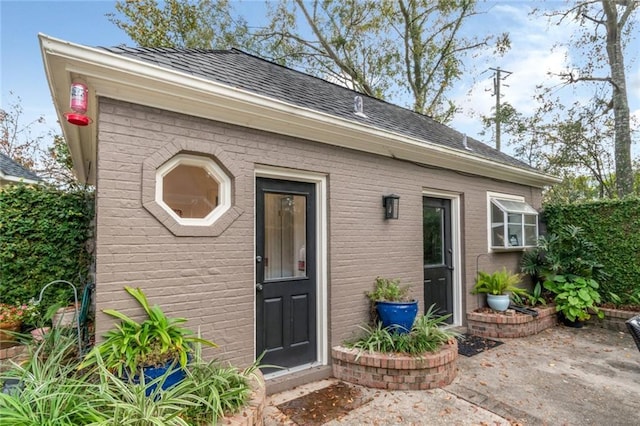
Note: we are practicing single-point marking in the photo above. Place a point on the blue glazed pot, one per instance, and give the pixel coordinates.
(397, 316)
(175, 376)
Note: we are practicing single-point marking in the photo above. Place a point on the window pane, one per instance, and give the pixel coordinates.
(530, 219)
(515, 235)
(513, 206)
(433, 218)
(530, 235)
(285, 236)
(515, 219)
(497, 226)
(190, 191)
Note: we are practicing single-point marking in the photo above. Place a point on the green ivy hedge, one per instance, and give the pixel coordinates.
(614, 227)
(43, 237)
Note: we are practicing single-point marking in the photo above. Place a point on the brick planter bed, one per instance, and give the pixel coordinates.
(613, 319)
(395, 371)
(510, 324)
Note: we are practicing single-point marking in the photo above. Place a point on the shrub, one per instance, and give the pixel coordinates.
(614, 229)
(43, 237)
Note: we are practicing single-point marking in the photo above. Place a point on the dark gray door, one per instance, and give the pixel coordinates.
(285, 272)
(438, 255)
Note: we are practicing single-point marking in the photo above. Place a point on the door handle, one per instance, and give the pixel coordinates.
(259, 287)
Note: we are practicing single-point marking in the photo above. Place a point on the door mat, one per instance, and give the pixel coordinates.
(324, 405)
(470, 345)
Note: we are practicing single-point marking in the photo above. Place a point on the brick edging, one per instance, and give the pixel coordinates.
(489, 324)
(396, 371)
(614, 319)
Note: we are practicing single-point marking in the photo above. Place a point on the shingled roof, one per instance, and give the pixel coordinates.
(12, 171)
(247, 72)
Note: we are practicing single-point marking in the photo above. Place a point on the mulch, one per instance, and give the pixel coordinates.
(470, 345)
(324, 405)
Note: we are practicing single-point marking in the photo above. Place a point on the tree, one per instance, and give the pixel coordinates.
(30, 148)
(16, 138)
(382, 48)
(605, 27)
(200, 24)
(570, 141)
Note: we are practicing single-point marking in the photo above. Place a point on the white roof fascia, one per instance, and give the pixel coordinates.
(115, 76)
(11, 178)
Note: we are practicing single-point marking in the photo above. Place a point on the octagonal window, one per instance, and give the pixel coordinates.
(194, 190)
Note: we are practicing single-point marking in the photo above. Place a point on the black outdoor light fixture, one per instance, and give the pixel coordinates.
(391, 204)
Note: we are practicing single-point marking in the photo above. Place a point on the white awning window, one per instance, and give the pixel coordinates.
(514, 224)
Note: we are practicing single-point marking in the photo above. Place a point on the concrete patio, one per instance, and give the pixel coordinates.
(561, 376)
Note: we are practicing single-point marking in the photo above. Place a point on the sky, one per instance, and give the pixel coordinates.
(84, 22)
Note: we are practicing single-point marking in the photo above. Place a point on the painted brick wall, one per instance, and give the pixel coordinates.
(210, 280)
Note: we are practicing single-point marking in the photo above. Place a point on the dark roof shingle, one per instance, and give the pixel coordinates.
(8, 167)
(241, 70)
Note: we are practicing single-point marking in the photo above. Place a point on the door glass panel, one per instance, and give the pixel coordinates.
(285, 238)
(433, 234)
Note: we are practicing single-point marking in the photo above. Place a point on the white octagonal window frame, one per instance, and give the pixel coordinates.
(213, 169)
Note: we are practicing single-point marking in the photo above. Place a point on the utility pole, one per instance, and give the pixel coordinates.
(497, 78)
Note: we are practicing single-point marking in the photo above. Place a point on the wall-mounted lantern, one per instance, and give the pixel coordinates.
(391, 204)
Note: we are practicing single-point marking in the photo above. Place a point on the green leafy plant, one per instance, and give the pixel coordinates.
(575, 296)
(567, 252)
(48, 389)
(51, 389)
(613, 228)
(426, 335)
(630, 301)
(153, 342)
(499, 282)
(536, 297)
(43, 237)
(568, 265)
(389, 290)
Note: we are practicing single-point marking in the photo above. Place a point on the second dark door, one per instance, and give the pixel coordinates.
(438, 255)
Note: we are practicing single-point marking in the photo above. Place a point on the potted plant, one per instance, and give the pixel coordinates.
(152, 346)
(497, 287)
(12, 318)
(396, 310)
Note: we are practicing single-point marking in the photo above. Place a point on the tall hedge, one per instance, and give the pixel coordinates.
(43, 237)
(614, 226)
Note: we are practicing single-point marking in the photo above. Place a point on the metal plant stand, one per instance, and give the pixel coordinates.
(75, 305)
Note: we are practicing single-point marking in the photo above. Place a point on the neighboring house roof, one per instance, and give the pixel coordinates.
(237, 88)
(10, 171)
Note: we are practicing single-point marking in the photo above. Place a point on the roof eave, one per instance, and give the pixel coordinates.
(122, 78)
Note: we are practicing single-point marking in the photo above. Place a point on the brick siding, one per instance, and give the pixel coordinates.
(210, 279)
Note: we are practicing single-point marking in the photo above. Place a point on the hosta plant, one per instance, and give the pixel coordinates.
(575, 296)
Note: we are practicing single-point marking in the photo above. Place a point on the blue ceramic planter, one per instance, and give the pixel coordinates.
(175, 376)
(397, 316)
(498, 302)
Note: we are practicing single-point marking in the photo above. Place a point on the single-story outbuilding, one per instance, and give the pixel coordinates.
(261, 203)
